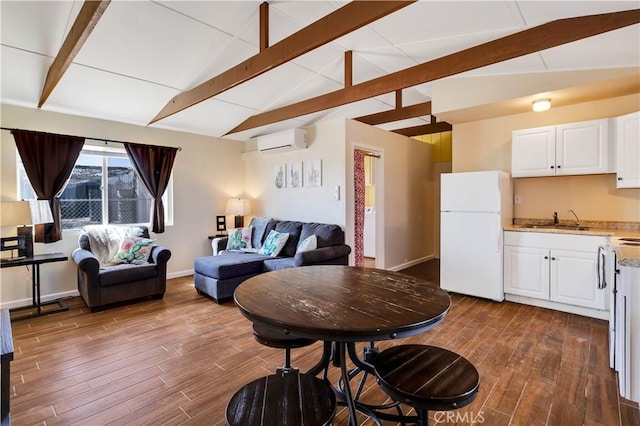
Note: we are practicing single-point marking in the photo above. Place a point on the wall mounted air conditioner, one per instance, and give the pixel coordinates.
(286, 140)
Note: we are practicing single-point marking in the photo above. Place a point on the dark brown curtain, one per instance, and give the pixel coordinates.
(48, 160)
(153, 164)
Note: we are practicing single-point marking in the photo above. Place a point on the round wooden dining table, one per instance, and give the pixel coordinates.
(342, 305)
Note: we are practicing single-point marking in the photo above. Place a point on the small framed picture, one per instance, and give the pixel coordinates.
(313, 173)
(279, 176)
(295, 175)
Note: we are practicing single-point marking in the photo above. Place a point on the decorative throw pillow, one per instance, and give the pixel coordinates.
(309, 243)
(239, 238)
(274, 243)
(134, 250)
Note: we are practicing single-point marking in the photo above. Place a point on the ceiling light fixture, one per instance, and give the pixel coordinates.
(541, 105)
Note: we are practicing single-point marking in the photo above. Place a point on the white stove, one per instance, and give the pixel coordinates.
(624, 314)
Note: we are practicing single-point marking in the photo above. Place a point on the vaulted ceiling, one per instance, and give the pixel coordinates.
(240, 69)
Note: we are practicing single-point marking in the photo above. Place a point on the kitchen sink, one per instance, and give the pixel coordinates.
(563, 227)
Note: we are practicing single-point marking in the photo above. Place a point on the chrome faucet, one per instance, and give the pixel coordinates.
(576, 216)
(555, 218)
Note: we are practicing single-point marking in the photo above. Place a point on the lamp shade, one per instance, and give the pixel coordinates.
(40, 211)
(15, 213)
(238, 207)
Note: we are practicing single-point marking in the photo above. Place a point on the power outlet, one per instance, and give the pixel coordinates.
(517, 199)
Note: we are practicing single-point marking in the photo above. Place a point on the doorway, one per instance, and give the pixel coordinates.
(368, 202)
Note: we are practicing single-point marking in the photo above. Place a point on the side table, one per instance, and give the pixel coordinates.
(35, 261)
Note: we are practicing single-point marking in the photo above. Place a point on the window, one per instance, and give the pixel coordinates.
(103, 189)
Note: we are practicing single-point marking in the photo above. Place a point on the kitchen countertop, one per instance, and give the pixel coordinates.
(627, 255)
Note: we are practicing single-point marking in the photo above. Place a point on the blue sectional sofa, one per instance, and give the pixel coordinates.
(218, 276)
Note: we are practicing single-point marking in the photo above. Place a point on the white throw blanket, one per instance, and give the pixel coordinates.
(105, 240)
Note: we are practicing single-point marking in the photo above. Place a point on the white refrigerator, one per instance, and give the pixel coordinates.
(474, 208)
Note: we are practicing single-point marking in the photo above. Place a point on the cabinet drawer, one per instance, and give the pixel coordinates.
(586, 243)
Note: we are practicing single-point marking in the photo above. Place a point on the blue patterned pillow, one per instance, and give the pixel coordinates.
(274, 243)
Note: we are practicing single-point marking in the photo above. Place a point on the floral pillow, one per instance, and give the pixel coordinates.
(239, 239)
(308, 244)
(274, 243)
(134, 250)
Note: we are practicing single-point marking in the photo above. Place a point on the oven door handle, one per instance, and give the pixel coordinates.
(602, 271)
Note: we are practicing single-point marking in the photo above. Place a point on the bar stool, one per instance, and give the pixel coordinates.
(275, 339)
(287, 398)
(426, 378)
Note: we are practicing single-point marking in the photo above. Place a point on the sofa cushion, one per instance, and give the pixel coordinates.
(229, 264)
(274, 243)
(261, 228)
(134, 250)
(104, 240)
(239, 238)
(309, 243)
(279, 263)
(293, 229)
(328, 235)
(126, 273)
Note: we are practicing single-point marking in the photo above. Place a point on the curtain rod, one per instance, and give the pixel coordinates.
(86, 137)
(369, 154)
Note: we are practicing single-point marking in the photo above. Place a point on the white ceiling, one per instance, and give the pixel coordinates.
(143, 53)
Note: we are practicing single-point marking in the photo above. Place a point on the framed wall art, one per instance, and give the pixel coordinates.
(279, 176)
(313, 173)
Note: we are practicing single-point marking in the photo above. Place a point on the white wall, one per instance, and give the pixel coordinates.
(404, 194)
(206, 172)
(305, 204)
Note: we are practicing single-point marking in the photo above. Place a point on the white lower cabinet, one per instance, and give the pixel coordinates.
(526, 271)
(559, 268)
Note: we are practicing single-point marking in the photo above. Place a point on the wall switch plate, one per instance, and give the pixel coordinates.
(336, 193)
(517, 199)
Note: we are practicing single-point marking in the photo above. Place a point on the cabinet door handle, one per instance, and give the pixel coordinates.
(619, 178)
(552, 167)
(553, 258)
(546, 257)
(559, 166)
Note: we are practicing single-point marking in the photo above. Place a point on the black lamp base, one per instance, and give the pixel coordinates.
(239, 221)
(26, 232)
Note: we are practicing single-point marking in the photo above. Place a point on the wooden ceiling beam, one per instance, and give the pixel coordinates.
(426, 129)
(525, 42)
(396, 114)
(348, 18)
(264, 26)
(348, 68)
(84, 24)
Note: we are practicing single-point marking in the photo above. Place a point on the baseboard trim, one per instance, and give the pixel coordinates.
(43, 298)
(409, 264)
(179, 274)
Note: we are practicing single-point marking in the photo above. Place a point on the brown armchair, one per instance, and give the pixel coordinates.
(102, 284)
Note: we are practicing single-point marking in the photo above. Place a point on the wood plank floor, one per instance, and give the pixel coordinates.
(177, 361)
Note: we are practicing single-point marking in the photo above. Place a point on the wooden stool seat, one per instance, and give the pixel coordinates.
(427, 378)
(283, 399)
(275, 339)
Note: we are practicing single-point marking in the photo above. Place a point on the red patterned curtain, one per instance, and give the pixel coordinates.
(359, 190)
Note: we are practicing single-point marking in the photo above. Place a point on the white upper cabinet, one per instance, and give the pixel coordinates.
(569, 149)
(533, 152)
(628, 150)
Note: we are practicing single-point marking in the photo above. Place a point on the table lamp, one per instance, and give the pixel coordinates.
(238, 207)
(24, 213)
